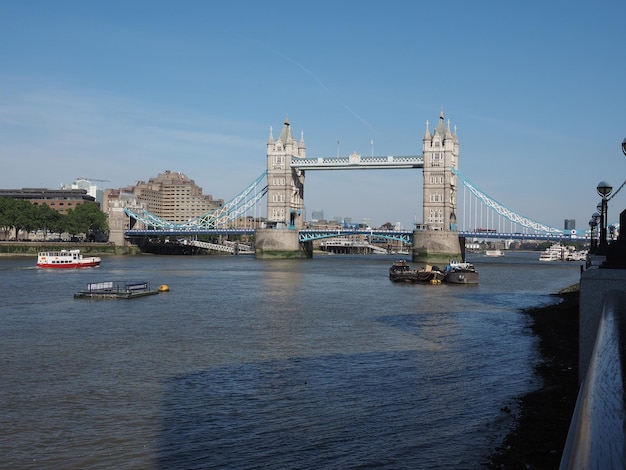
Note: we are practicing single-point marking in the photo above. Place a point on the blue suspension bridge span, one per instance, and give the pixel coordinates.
(222, 221)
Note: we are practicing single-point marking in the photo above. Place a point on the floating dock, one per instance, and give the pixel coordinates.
(117, 290)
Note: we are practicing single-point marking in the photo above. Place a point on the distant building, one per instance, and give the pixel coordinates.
(317, 214)
(570, 224)
(87, 185)
(174, 197)
(61, 200)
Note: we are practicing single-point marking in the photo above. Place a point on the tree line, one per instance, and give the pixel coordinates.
(21, 215)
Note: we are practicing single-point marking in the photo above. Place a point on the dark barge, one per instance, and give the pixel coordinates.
(118, 290)
(400, 271)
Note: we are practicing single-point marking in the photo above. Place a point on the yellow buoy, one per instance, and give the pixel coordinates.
(164, 288)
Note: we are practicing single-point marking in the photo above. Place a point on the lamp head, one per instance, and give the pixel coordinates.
(624, 146)
(604, 188)
(595, 217)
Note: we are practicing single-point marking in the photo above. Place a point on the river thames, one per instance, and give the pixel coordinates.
(244, 363)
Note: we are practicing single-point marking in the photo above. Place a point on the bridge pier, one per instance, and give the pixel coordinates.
(436, 247)
(272, 243)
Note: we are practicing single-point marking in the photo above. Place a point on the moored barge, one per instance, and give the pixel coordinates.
(400, 271)
(460, 273)
(117, 290)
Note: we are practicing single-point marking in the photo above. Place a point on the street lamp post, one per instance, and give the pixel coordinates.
(595, 218)
(592, 228)
(599, 222)
(604, 189)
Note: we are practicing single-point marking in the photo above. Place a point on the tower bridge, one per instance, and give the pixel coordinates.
(285, 234)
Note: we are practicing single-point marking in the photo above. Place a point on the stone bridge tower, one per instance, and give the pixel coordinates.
(285, 200)
(441, 153)
(438, 241)
(285, 186)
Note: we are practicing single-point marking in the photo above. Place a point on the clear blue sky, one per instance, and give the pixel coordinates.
(123, 90)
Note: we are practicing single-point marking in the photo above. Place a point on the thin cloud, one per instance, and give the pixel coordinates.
(323, 86)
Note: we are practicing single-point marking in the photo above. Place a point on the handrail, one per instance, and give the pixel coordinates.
(597, 433)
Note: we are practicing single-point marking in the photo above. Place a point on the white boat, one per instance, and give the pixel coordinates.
(66, 259)
(494, 253)
(558, 252)
(577, 255)
(548, 255)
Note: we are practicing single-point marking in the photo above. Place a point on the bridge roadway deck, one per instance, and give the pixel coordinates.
(305, 235)
(317, 234)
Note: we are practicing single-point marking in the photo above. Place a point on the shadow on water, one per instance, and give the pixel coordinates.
(294, 413)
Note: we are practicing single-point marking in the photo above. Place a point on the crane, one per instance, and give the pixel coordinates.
(92, 179)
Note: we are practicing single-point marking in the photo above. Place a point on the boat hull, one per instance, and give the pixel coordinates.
(417, 276)
(116, 290)
(113, 295)
(84, 264)
(461, 277)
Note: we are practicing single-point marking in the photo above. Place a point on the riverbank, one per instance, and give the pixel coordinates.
(544, 415)
(86, 248)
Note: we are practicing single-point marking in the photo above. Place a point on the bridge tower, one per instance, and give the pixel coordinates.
(441, 153)
(285, 198)
(438, 242)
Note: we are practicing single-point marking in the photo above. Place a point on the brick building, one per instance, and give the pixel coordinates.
(61, 200)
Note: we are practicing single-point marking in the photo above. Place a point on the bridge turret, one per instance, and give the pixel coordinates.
(439, 243)
(427, 136)
(285, 185)
(441, 151)
(301, 146)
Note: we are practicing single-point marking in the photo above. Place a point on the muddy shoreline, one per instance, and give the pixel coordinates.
(544, 415)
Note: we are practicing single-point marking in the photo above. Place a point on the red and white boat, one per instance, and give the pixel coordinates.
(66, 259)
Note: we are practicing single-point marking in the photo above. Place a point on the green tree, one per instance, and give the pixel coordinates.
(5, 222)
(86, 218)
(21, 215)
(49, 220)
(17, 214)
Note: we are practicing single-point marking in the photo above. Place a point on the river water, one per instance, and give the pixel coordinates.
(319, 363)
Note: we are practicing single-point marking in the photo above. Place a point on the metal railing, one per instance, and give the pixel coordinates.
(597, 434)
